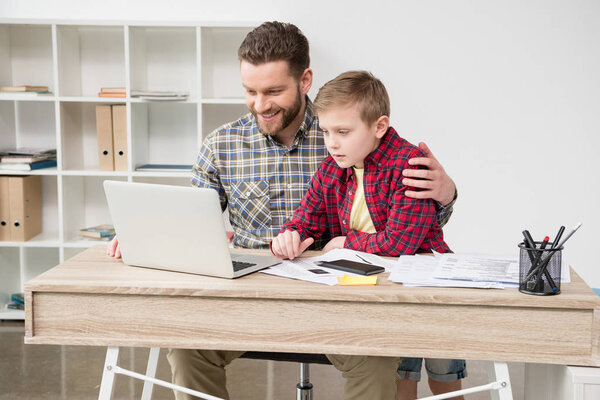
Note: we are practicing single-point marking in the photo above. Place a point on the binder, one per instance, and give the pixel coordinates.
(119, 123)
(4, 209)
(106, 160)
(25, 207)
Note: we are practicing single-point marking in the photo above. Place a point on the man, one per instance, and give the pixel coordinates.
(261, 165)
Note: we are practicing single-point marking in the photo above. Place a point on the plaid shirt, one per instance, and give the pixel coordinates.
(261, 180)
(404, 225)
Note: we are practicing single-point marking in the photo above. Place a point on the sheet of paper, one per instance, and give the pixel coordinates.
(420, 271)
(479, 267)
(304, 270)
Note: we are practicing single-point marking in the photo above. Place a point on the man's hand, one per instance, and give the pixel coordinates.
(335, 243)
(436, 183)
(113, 248)
(288, 245)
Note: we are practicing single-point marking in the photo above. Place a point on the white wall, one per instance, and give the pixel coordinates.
(507, 94)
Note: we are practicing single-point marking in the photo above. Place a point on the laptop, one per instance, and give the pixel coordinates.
(177, 229)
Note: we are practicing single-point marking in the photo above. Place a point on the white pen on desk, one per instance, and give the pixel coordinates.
(368, 262)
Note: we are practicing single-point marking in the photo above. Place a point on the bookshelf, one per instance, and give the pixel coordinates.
(75, 59)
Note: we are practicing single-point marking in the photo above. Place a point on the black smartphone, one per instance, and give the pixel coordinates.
(353, 266)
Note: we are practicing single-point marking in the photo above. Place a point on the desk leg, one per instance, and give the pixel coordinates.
(108, 374)
(150, 372)
(498, 372)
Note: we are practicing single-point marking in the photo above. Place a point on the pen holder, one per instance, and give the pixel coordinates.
(539, 270)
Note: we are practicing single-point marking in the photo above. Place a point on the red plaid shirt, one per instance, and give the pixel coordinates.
(404, 225)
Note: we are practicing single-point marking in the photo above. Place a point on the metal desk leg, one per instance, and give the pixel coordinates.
(108, 374)
(150, 372)
(499, 387)
(498, 372)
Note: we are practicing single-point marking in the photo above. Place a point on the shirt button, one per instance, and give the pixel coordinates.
(344, 222)
(289, 186)
(248, 193)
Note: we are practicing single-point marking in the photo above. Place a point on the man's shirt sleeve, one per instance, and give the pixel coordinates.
(205, 173)
(445, 212)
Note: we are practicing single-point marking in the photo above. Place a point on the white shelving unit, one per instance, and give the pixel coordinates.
(75, 60)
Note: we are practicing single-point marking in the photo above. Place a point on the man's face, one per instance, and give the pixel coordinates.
(348, 138)
(273, 95)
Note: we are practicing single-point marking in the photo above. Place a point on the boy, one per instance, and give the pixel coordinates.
(357, 193)
(357, 196)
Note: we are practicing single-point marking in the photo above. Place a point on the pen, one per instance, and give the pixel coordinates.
(538, 280)
(368, 262)
(538, 254)
(529, 243)
(558, 236)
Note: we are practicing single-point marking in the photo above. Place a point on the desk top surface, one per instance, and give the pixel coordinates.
(93, 271)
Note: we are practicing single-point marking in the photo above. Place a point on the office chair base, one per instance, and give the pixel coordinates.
(304, 392)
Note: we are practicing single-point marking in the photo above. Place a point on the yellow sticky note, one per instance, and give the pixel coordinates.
(356, 280)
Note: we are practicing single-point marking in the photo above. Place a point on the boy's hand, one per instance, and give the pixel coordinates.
(288, 245)
(113, 248)
(335, 243)
(434, 181)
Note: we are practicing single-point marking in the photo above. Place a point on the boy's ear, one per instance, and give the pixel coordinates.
(381, 126)
(306, 81)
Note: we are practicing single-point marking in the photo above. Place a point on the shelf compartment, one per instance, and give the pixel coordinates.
(84, 205)
(220, 65)
(154, 127)
(215, 115)
(27, 124)
(26, 55)
(37, 260)
(11, 279)
(89, 58)
(163, 59)
(35, 124)
(8, 134)
(79, 138)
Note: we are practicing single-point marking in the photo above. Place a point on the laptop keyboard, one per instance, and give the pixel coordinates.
(240, 265)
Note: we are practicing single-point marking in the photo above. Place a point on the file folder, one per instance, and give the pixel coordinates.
(119, 121)
(104, 128)
(25, 207)
(4, 209)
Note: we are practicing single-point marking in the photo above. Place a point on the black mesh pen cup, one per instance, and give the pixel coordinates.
(539, 270)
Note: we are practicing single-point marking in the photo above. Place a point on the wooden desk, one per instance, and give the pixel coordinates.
(93, 299)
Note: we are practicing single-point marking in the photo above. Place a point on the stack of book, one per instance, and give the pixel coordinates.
(118, 92)
(100, 232)
(158, 95)
(24, 90)
(17, 302)
(27, 159)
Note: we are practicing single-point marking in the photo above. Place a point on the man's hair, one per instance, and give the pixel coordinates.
(276, 41)
(355, 87)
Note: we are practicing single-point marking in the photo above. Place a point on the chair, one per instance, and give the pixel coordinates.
(304, 387)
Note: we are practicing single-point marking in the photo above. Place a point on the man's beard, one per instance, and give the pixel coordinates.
(287, 116)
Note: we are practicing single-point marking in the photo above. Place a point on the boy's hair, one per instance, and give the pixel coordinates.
(355, 87)
(276, 41)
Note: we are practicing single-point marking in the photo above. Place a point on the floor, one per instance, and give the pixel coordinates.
(73, 372)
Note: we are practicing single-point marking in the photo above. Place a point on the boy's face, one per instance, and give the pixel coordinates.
(273, 95)
(348, 138)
